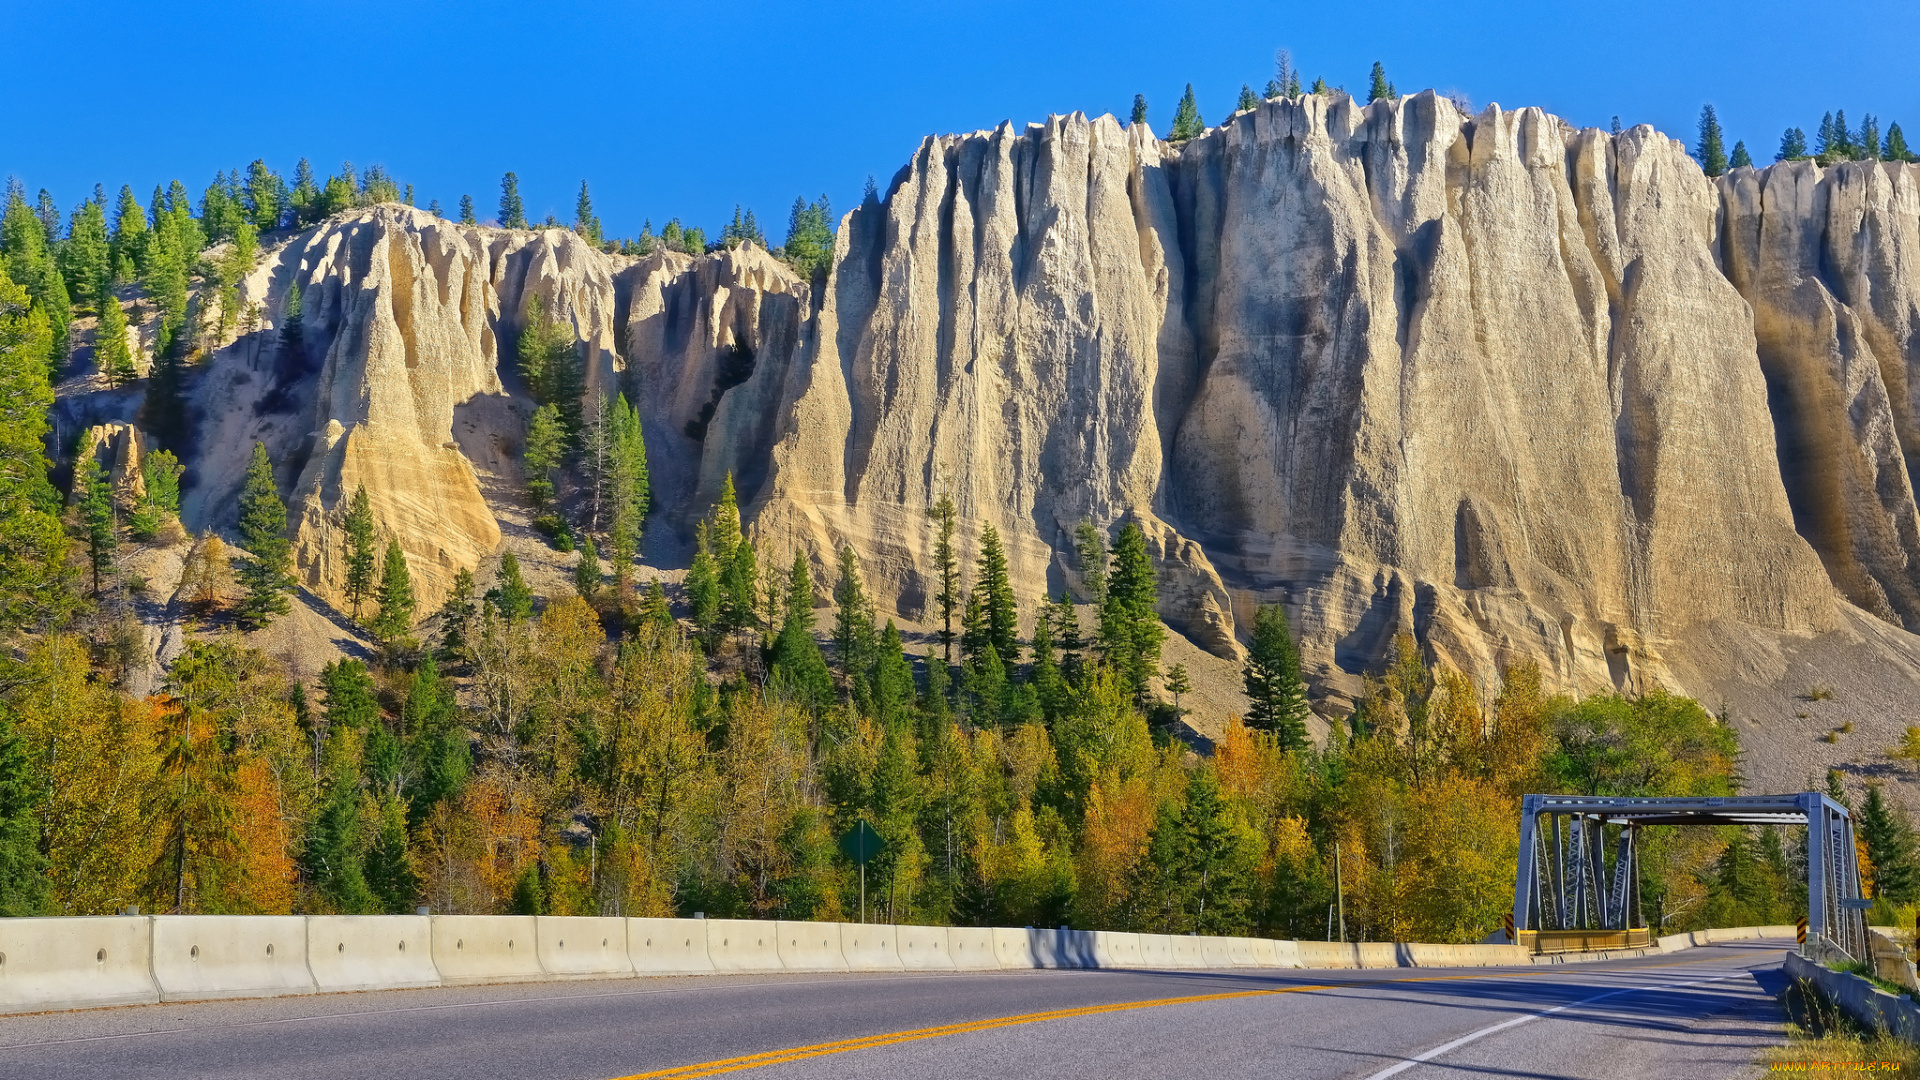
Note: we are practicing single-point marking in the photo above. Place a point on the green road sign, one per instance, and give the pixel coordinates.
(861, 843)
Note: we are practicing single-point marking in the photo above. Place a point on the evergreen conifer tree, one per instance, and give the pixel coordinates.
(1740, 159)
(161, 471)
(1139, 114)
(545, 447)
(1248, 99)
(510, 596)
(264, 196)
(1186, 119)
(1178, 682)
(946, 564)
(33, 544)
(1866, 146)
(1378, 88)
(466, 211)
(1130, 633)
(799, 669)
(112, 356)
(303, 201)
(1090, 546)
(1890, 848)
(586, 572)
(84, 254)
(585, 222)
(1286, 81)
(395, 595)
(456, 614)
(1897, 144)
(95, 499)
(263, 527)
(1711, 150)
(127, 248)
(853, 631)
(703, 594)
(359, 527)
(1276, 695)
(24, 886)
(993, 591)
(628, 490)
(513, 215)
(1825, 146)
(809, 246)
(1793, 145)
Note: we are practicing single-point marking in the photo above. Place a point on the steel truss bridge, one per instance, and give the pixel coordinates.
(1569, 894)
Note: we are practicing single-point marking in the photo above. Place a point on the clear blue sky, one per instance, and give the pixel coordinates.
(686, 109)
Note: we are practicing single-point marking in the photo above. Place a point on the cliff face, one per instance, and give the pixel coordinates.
(1518, 389)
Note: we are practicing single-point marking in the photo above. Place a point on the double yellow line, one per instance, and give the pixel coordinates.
(801, 1053)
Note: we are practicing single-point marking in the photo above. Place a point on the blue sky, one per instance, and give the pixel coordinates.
(683, 110)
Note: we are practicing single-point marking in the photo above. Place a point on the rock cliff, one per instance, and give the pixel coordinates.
(1516, 388)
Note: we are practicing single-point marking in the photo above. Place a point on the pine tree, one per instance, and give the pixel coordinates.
(395, 595)
(1740, 159)
(1276, 695)
(1378, 88)
(359, 526)
(549, 361)
(1286, 81)
(947, 565)
(1711, 151)
(1320, 87)
(628, 491)
(1130, 633)
(263, 527)
(466, 211)
(1793, 146)
(1248, 99)
(1825, 146)
(94, 497)
(1897, 144)
(127, 248)
(303, 203)
(993, 591)
(809, 246)
(544, 450)
(160, 470)
(24, 885)
(112, 356)
(265, 196)
(456, 615)
(586, 572)
(1186, 119)
(1614, 128)
(853, 631)
(30, 262)
(799, 669)
(510, 596)
(84, 254)
(1139, 115)
(703, 594)
(1867, 146)
(33, 544)
(585, 222)
(1178, 682)
(1890, 847)
(1090, 546)
(512, 214)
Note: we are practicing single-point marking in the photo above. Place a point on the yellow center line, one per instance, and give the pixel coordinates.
(801, 1053)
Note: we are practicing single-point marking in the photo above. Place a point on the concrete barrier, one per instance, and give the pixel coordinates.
(1244, 952)
(972, 948)
(1061, 948)
(1156, 950)
(668, 946)
(1379, 954)
(743, 945)
(1328, 954)
(582, 947)
(1112, 949)
(1013, 948)
(486, 948)
(75, 963)
(1286, 954)
(1187, 951)
(923, 948)
(1216, 952)
(370, 952)
(1873, 1007)
(809, 946)
(199, 957)
(870, 947)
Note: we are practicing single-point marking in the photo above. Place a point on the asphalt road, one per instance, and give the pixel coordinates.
(1702, 1013)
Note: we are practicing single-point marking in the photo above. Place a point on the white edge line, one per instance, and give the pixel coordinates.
(1395, 1070)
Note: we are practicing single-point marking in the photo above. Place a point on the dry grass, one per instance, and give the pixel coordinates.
(1822, 1039)
(1819, 693)
(1831, 736)
(1846, 728)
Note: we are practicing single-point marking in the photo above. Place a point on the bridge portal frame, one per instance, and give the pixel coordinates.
(1562, 874)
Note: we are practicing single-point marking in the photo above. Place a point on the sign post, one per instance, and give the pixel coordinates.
(861, 844)
(1506, 924)
(1800, 934)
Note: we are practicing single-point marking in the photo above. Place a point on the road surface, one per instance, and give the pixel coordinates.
(1702, 1013)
